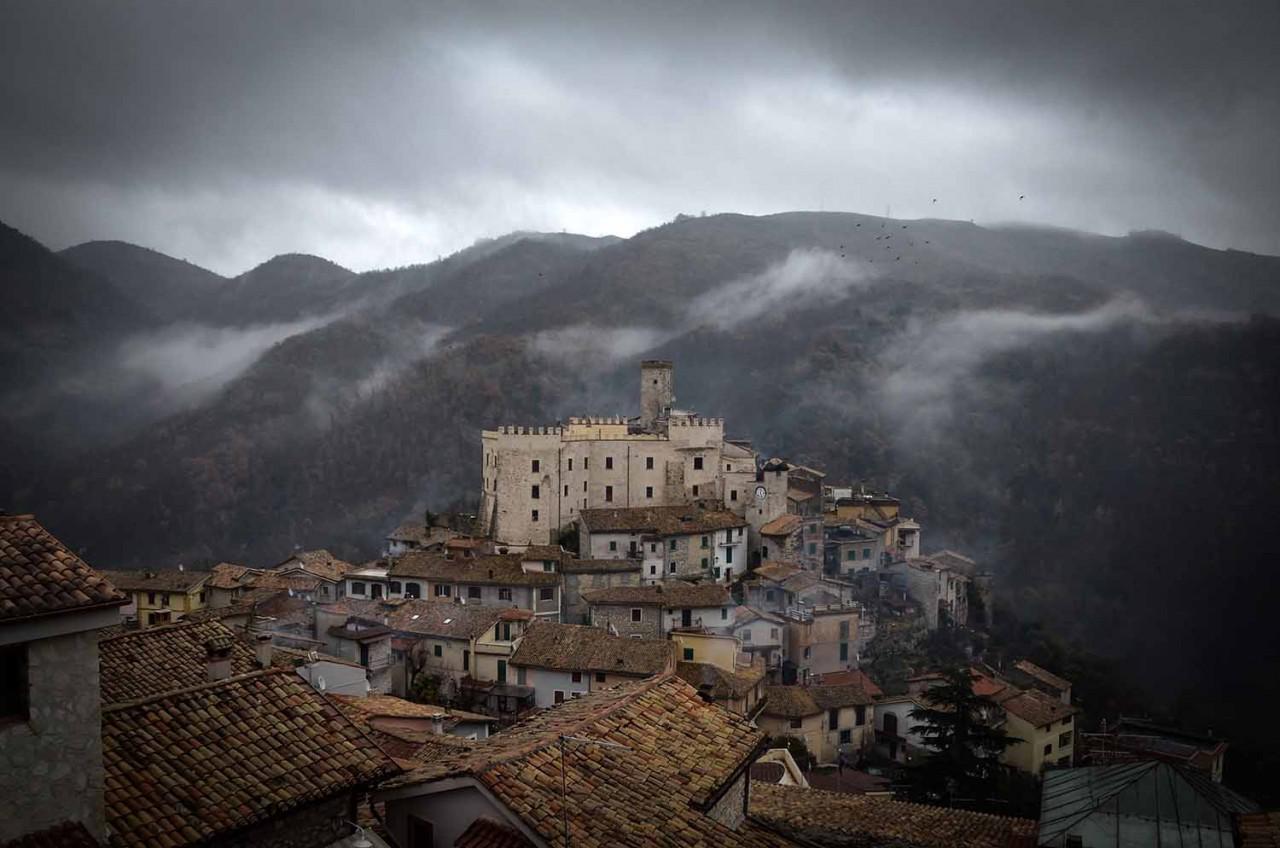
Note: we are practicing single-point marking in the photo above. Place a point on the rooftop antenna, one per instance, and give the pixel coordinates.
(564, 783)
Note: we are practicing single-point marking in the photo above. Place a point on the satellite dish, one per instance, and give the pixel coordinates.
(312, 656)
(321, 684)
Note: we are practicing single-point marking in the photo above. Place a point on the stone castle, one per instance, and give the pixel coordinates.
(537, 480)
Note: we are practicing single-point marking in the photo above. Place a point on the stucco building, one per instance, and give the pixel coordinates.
(565, 661)
(161, 596)
(830, 719)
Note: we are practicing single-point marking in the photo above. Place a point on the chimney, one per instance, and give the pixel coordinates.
(218, 656)
(262, 650)
(437, 724)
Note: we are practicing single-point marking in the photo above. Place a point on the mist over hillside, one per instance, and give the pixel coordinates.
(1050, 401)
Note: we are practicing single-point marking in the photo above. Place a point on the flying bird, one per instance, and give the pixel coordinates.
(1021, 196)
(935, 200)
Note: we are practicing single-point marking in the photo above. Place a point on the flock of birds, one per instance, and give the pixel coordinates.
(887, 236)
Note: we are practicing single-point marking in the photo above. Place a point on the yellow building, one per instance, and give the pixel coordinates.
(830, 719)
(1046, 727)
(161, 597)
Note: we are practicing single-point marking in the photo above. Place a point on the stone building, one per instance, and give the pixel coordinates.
(673, 542)
(52, 607)
(651, 612)
(793, 538)
(537, 480)
(586, 575)
(940, 586)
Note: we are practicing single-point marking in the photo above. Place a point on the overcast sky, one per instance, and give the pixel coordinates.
(381, 134)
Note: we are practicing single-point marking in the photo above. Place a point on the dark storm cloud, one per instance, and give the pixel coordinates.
(378, 134)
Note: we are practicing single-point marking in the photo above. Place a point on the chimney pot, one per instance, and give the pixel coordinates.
(263, 650)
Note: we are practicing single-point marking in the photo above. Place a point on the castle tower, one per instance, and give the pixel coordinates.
(657, 391)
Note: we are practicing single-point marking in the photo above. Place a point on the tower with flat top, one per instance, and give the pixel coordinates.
(657, 391)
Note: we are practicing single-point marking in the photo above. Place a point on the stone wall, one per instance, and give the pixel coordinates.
(575, 610)
(51, 765)
(649, 626)
(730, 810)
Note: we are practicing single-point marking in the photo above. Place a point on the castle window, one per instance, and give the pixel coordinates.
(586, 463)
(608, 463)
(648, 492)
(697, 463)
(566, 490)
(608, 493)
(570, 463)
(733, 494)
(533, 516)
(537, 466)
(695, 491)
(584, 488)
(648, 463)
(535, 492)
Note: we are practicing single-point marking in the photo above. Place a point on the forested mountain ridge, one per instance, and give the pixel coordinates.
(1095, 417)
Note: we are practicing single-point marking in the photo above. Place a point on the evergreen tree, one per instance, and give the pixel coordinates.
(964, 746)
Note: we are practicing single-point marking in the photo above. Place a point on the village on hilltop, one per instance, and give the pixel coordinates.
(649, 634)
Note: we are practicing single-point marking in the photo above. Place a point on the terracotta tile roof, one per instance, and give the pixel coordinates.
(853, 677)
(539, 553)
(235, 608)
(677, 755)
(577, 647)
(418, 533)
(424, 617)
(40, 576)
(955, 562)
(192, 765)
(789, 702)
(1048, 678)
(285, 656)
(783, 525)
(836, 818)
(158, 580)
(670, 595)
(776, 570)
(298, 581)
(363, 710)
(487, 833)
(599, 566)
(720, 684)
(228, 575)
(148, 662)
(745, 615)
(1258, 830)
(663, 520)
(320, 562)
(490, 570)
(65, 835)
(801, 701)
(1037, 708)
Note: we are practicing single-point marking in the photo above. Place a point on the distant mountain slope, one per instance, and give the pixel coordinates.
(172, 289)
(1050, 401)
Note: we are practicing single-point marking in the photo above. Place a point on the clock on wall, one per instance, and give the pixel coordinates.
(760, 493)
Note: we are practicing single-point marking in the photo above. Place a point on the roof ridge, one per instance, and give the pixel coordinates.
(555, 733)
(199, 687)
(158, 628)
(22, 516)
